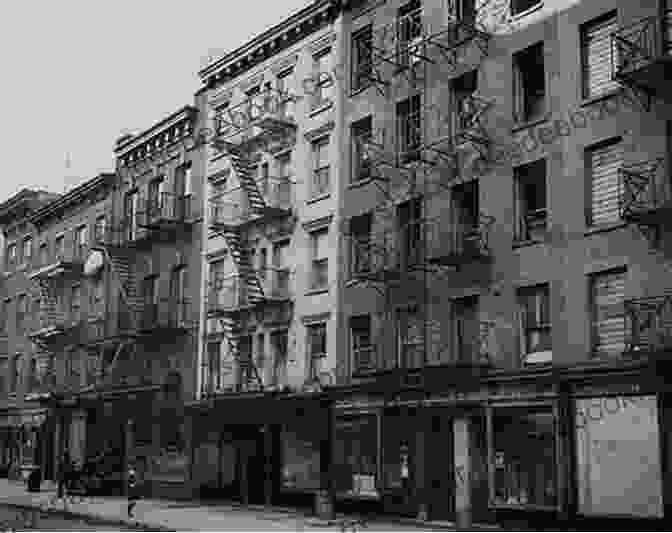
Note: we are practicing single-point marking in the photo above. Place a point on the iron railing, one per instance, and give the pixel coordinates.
(167, 313)
(233, 292)
(640, 44)
(167, 207)
(644, 189)
(233, 207)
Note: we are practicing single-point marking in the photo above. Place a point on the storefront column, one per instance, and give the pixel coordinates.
(461, 431)
(324, 506)
(268, 464)
(421, 464)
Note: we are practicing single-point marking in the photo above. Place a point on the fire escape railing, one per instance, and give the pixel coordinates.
(640, 44)
(167, 207)
(644, 189)
(164, 314)
(650, 324)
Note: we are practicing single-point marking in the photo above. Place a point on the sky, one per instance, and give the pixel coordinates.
(76, 74)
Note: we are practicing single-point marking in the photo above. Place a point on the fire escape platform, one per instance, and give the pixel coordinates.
(652, 216)
(654, 76)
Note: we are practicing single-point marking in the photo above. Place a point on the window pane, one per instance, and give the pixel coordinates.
(618, 456)
(524, 453)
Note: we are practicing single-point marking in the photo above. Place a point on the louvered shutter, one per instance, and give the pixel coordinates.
(609, 313)
(597, 55)
(604, 164)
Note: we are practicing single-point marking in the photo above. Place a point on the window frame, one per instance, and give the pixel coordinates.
(589, 174)
(593, 279)
(279, 365)
(316, 330)
(26, 246)
(322, 80)
(361, 131)
(523, 177)
(538, 293)
(523, 111)
(320, 185)
(610, 17)
(12, 255)
(358, 64)
(356, 347)
(319, 263)
(409, 129)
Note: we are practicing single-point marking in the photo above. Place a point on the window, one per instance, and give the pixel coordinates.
(260, 354)
(97, 296)
(246, 374)
(222, 122)
(285, 99)
(182, 187)
(465, 214)
(212, 381)
(618, 456)
(130, 215)
(410, 338)
(178, 293)
(43, 257)
(463, 89)
(76, 302)
(596, 55)
(362, 134)
(4, 314)
(409, 129)
(409, 33)
(519, 7)
(466, 330)
(99, 229)
(16, 373)
(11, 255)
(284, 166)
(155, 193)
(320, 272)
(530, 184)
(281, 266)
(322, 77)
(536, 324)
(362, 42)
(21, 312)
(524, 446)
(462, 10)
(608, 313)
(81, 238)
(59, 247)
(320, 185)
(362, 346)
(279, 344)
(27, 251)
(410, 233)
(360, 234)
(317, 348)
(529, 83)
(603, 164)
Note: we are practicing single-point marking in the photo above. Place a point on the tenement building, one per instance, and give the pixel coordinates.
(506, 260)
(268, 328)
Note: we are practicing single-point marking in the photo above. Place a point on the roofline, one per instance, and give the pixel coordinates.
(291, 20)
(73, 196)
(20, 199)
(155, 128)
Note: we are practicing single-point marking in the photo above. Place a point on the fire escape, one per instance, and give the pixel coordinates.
(403, 244)
(56, 320)
(641, 57)
(253, 202)
(642, 61)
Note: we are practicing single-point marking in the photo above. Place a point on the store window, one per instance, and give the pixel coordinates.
(618, 456)
(300, 458)
(524, 451)
(356, 456)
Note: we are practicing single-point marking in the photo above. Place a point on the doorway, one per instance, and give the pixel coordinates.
(441, 478)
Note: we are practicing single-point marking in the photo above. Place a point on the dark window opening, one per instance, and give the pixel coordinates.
(530, 182)
(530, 83)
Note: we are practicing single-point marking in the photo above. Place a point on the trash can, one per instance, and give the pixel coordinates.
(34, 480)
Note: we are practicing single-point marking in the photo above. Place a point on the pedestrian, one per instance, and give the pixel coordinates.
(64, 475)
(133, 495)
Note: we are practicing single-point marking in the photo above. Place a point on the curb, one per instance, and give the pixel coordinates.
(89, 517)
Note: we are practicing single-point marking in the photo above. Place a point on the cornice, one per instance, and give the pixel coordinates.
(270, 42)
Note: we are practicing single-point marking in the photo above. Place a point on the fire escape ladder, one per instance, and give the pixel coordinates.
(247, 365)
(125, 278)
(240, 164)
(249, 278)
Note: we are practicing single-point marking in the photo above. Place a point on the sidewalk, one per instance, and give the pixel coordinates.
(166, 515)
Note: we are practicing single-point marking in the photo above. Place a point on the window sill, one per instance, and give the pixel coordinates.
(318, 198)
(313, 292)
(361, 182)
(319, 109)
(592, 100)
(605, 228)
(519, 243)
(519, 126)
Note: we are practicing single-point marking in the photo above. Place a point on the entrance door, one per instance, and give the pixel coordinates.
(400, 453)
(440, 480)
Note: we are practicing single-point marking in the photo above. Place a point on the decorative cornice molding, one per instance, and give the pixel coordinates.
(284, 64)
(323, 42)
(320, 131)
(247, 84)
(318, 223)
(220, 97)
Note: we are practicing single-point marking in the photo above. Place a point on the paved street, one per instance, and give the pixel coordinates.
(164, 515)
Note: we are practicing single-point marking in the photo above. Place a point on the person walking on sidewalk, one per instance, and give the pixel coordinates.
(133, 494)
